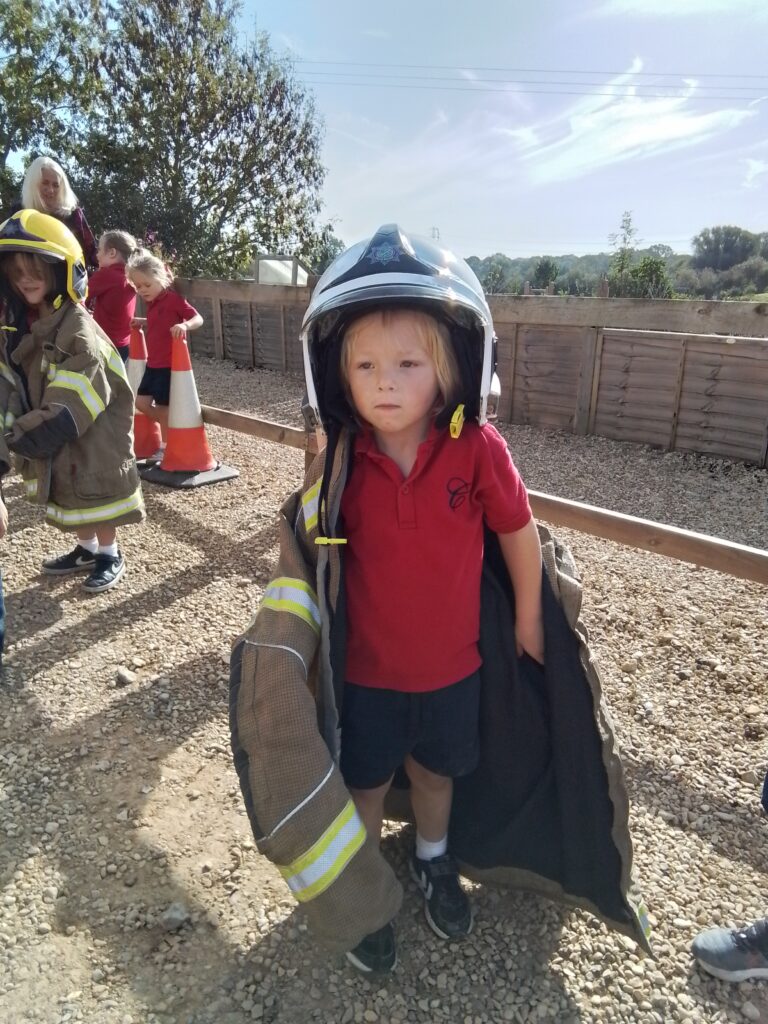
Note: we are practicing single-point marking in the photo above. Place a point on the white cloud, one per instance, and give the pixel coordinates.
(683, 8)
(601, 130)
(754, 169)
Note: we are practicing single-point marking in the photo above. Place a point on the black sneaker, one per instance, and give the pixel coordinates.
(446, 905)
(377, 953)
(79, 560)
(106, 573)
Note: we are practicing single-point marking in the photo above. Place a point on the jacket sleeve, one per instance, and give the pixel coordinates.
(10, 410)
(301, 812)
(77, 392)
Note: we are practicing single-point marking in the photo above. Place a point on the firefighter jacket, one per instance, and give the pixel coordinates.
(546, 809)
(67, 412)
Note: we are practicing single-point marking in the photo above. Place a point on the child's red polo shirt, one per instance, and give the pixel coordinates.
(163, 313)
(414, 552)
(113, 301)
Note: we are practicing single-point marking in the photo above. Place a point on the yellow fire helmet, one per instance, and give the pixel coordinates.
(44, 236)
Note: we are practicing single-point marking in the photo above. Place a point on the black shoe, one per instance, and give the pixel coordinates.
(106, 573)
(79, 560)
(377, 953)
(446, 905)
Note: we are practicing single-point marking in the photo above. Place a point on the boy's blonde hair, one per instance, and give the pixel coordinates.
(144, 262)
(431, 332)
(30, 189)
(16, 263)
(121, 241)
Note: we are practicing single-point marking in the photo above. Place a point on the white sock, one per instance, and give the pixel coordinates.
(428, 851)
(91, 544)
(108, 549)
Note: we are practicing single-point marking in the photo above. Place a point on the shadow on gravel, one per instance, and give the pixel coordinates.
(732, 837)
(243, 559)
(30, 611)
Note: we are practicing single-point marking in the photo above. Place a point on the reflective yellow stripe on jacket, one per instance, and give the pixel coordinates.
(324, 861)
(82, 387)
(295, 596)
(309, 505)
(97, 514)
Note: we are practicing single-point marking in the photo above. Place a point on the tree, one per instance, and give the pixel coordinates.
(649, 280)
(49, 54)
(624, 243)
(722, 247)
(666, 252)
(546, 271)
(324, 250)
(494, 274)
(212, 146)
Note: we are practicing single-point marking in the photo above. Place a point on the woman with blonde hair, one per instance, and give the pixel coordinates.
(46, 188)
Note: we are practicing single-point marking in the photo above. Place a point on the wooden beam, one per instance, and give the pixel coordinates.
(711, 552)
(295, 437)
(747, 319)
(246, 291)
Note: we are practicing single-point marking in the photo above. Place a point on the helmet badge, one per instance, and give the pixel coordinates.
(384, 254)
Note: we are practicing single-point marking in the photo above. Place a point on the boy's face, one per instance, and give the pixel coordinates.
(31, 285)
(392, 378)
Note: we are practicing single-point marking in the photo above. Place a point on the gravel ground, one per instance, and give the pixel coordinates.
(131, 889)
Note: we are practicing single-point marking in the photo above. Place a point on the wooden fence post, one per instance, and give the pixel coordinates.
(586, 379)
(218, 331)
(678, 393)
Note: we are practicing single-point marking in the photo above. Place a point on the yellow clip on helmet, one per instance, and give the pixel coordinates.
(41, 235)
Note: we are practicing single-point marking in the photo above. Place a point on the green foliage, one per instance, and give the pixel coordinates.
(722, 247)
(545, 273)
(323, 250)
(49, 54)
(211, 147)
(623, 242)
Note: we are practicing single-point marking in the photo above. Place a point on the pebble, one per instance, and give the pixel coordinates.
(750, 1011)
(125, 677)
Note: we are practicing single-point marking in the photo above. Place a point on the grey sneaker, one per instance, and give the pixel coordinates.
(107, 571)
(734, 955)
(446, 905)
(79, 560)
(377, 953)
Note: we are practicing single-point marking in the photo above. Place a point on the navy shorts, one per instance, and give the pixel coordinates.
(157, 383)
(439, 729)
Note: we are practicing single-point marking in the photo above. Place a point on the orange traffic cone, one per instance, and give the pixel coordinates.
(188, 461)
(146, 432)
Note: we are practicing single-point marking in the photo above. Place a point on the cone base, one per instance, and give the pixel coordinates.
(186, 480)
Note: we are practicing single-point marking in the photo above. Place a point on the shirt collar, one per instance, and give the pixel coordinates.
(365, 442)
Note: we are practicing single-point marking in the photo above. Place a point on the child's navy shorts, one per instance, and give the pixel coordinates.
(157, 383)
(439, 729)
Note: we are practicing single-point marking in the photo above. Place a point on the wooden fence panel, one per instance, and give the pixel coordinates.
(236, 324)
(201, 341)
(545, 376)
(637, 388)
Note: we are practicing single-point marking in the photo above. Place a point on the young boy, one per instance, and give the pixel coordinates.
(365, 655)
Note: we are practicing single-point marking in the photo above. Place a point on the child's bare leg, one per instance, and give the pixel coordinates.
(87, 537)
(106, 535)
(431, 797)
(370, 807)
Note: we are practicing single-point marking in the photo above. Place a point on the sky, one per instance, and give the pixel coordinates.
(529, 128)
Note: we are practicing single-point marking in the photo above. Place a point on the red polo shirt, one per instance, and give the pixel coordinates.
(414, 553)
(167, 309)
(113, 302)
